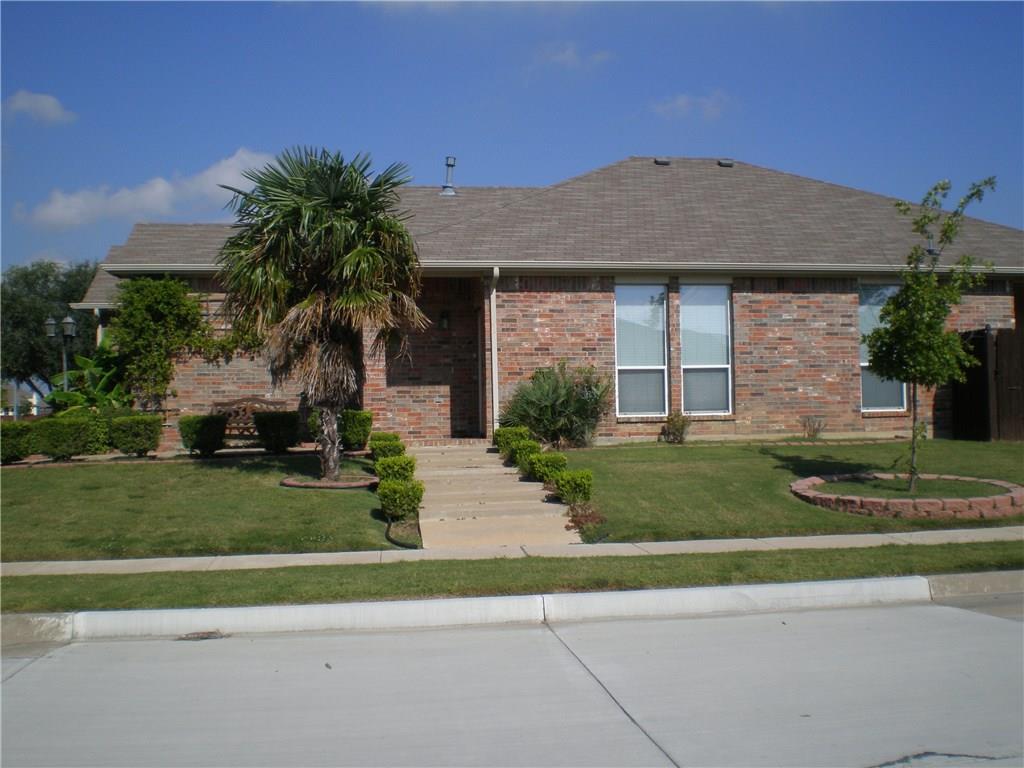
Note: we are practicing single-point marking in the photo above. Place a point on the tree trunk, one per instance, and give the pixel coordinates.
(913, 438)
(330, 448)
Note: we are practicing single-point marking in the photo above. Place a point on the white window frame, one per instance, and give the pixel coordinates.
(864, 365)
(664, 338)
(728, 366)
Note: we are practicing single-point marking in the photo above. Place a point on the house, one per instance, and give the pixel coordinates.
(732, 292)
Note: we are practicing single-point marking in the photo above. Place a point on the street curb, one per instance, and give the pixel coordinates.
(959, 584)
(474, 611)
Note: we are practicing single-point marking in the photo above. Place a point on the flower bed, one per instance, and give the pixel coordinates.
(1001, 505)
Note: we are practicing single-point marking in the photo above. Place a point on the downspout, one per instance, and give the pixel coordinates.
(494, 348)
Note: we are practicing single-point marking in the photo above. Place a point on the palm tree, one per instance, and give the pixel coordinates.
(320, 262)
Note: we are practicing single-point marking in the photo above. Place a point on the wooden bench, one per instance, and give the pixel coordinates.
(241, 424)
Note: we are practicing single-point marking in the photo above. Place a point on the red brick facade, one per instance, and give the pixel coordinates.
(795, 353)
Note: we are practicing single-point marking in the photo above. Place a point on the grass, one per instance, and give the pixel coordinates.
(660, 492)
(464, 578)
(165, 509)
(897, 489)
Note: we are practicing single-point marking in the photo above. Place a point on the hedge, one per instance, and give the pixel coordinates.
(278, 430)
(400, 499)
(520, 451)
(396, 468)
(386, 449)
(136, 435)
(544, 466)
(17, 441)
(384, 437)
(505, 436)
(203, 434)
(354, 429)
(63, 438)
(574, 486)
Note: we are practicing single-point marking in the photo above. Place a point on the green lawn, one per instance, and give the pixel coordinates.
(164, 509)
(660, 492)
(462, 578)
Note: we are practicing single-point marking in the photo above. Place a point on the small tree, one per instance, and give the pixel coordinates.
(912, 343)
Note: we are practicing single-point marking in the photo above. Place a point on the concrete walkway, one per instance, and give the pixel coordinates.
(471, 499)
(642, 549)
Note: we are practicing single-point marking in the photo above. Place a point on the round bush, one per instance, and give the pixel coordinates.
(395, 468)
(136, 435)
(278, 430)
(387, 448)
(400, 499)
(203, 434)
(63, 438)
(354, 429)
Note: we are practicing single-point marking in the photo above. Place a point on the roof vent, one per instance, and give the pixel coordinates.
(725, 162)
(448, 190)
(662, 161)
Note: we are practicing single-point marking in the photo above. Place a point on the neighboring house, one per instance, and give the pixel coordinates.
(734, 293)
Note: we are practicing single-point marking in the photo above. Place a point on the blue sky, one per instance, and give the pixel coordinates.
(122, 112)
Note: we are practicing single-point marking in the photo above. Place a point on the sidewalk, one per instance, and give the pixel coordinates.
(641, 549)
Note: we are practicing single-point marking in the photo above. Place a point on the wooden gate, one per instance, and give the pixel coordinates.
(990, 404)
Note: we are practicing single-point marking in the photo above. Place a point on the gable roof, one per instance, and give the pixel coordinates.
(636, 215)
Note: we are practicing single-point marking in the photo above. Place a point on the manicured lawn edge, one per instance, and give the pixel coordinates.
(474, 578)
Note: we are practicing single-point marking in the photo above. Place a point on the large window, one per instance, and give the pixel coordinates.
(876, 393)
(640, 350)
(707, 348)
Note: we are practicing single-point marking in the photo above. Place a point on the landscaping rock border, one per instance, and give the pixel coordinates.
(1001, 505)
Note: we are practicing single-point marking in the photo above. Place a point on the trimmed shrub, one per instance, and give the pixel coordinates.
(203, 434)
(98, 440)
(520, 452)
(676, 427)
(560, 406)
(574, 486)
(354, 429)
(384, 437)
(136, 435)
(544, 466)
(387, 448)
(278, 430)
(313, 424)
(62, 438)
(16, 440)
(400, 499)
(396, 468)
(505, 436)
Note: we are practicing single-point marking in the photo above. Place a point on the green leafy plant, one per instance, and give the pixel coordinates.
(95, 383)
(136, 435)
(395, 467)
(386, 448)
(520, 451)
(278, 430)
(544, 466)
(354, 429)
(203, 434)
(676, 426)
(17, 440)
(505, 436)
(574, 486)
(560, 406)
(912, 343)
(400, 499)
(384, 437)
(63, 438)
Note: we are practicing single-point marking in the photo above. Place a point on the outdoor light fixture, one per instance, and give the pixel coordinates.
(442, 321)
(69, 329)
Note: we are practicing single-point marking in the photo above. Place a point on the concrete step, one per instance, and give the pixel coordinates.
(507, 531)
(483, 489)
(482, 511)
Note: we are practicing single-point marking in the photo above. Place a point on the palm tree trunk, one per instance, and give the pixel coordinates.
(330, 447)
(913, 438)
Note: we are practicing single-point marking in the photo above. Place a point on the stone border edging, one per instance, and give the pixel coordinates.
(1001, 505)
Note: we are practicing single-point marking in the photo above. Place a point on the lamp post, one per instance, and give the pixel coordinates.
(69, 329)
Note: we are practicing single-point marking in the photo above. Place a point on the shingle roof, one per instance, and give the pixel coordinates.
(691, 214)
(102, 291)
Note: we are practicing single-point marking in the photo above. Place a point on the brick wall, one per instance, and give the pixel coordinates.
(795, 354)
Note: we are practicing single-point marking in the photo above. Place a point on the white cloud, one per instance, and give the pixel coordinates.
(38, 106)
(683, 105)
(568, 56)
(156, 197)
